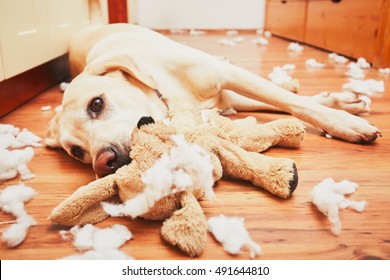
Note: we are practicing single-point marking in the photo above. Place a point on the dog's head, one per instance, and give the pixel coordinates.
(100, 109)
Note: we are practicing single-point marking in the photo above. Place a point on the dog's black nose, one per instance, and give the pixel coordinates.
(109, 160)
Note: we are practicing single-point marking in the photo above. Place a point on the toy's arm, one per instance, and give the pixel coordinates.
(84, 205)
(249, 135)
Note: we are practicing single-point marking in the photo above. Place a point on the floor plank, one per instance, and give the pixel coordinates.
(285, 229)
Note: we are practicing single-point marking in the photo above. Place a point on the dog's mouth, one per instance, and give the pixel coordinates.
(110, 159)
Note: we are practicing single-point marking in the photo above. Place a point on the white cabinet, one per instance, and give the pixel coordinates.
(33, 32)
(64, 19)
(24, 35)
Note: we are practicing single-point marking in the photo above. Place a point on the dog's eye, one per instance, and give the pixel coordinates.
(77, 152)
(96, 106)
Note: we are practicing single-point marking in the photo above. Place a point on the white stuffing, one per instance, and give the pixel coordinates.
(328, 196)
(367, 87)
(232, 32)
(63, 86)
(279, 76)
(295, 47)
(96, 243)
(169, 175)
(260, 41)
(14, 162)
(362, 62)
(233, 235)
(260, 31)
(13, 158)
(46, 108)
(267, 34)
(12, 137)
(227, 42)
(12, 201)
(312, 63)
(355, 71)
(27, 138)
(338, 58)
(8, 129)
(194, 32)
(384, 71)
(289, 67)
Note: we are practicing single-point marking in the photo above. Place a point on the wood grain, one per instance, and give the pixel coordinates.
(285, 229)
(354, 28)
(287, 18)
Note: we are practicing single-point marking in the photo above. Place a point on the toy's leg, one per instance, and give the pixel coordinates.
(255, 137)
(84, 205)
(187, 228)
(279, 176)
(283, 132)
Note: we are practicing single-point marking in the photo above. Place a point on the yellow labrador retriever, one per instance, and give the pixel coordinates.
(124, 72)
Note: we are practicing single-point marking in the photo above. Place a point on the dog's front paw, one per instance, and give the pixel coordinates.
(354, 129)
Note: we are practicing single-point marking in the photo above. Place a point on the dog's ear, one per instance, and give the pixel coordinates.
(52, 138)
(125, 64)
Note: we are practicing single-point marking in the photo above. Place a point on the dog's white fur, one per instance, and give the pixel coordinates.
(128, 66)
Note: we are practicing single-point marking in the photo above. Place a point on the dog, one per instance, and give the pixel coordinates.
(124, 72)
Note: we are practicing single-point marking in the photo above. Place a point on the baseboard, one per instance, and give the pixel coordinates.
(21, 88)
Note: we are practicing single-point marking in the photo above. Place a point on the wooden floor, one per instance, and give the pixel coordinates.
(285, 229)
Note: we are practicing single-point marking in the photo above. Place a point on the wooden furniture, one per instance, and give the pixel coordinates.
(287, 18)
(354, 28)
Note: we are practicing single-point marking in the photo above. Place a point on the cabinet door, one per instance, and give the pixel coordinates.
(349, 27)
(286, 18)
(64, 19)
(23, 34)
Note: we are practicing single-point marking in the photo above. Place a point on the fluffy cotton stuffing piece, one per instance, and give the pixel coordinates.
(384, 71)
(362, 62)
(170, 174)
(233, 235)
(338, 58)
(14, 155)
(367, 87)
(279, 76)
(227, 42)
(295, 47)
(97, 243)
(12, 201)
(260, 41)
(14, 162)
(355, 71)
(329, 197)
(312, 63)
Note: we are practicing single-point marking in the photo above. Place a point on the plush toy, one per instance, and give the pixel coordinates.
(163, 183)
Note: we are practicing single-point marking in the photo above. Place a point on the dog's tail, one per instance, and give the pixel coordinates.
(96, 16)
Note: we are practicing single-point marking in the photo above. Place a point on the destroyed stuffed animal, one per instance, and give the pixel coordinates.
(172, 168)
